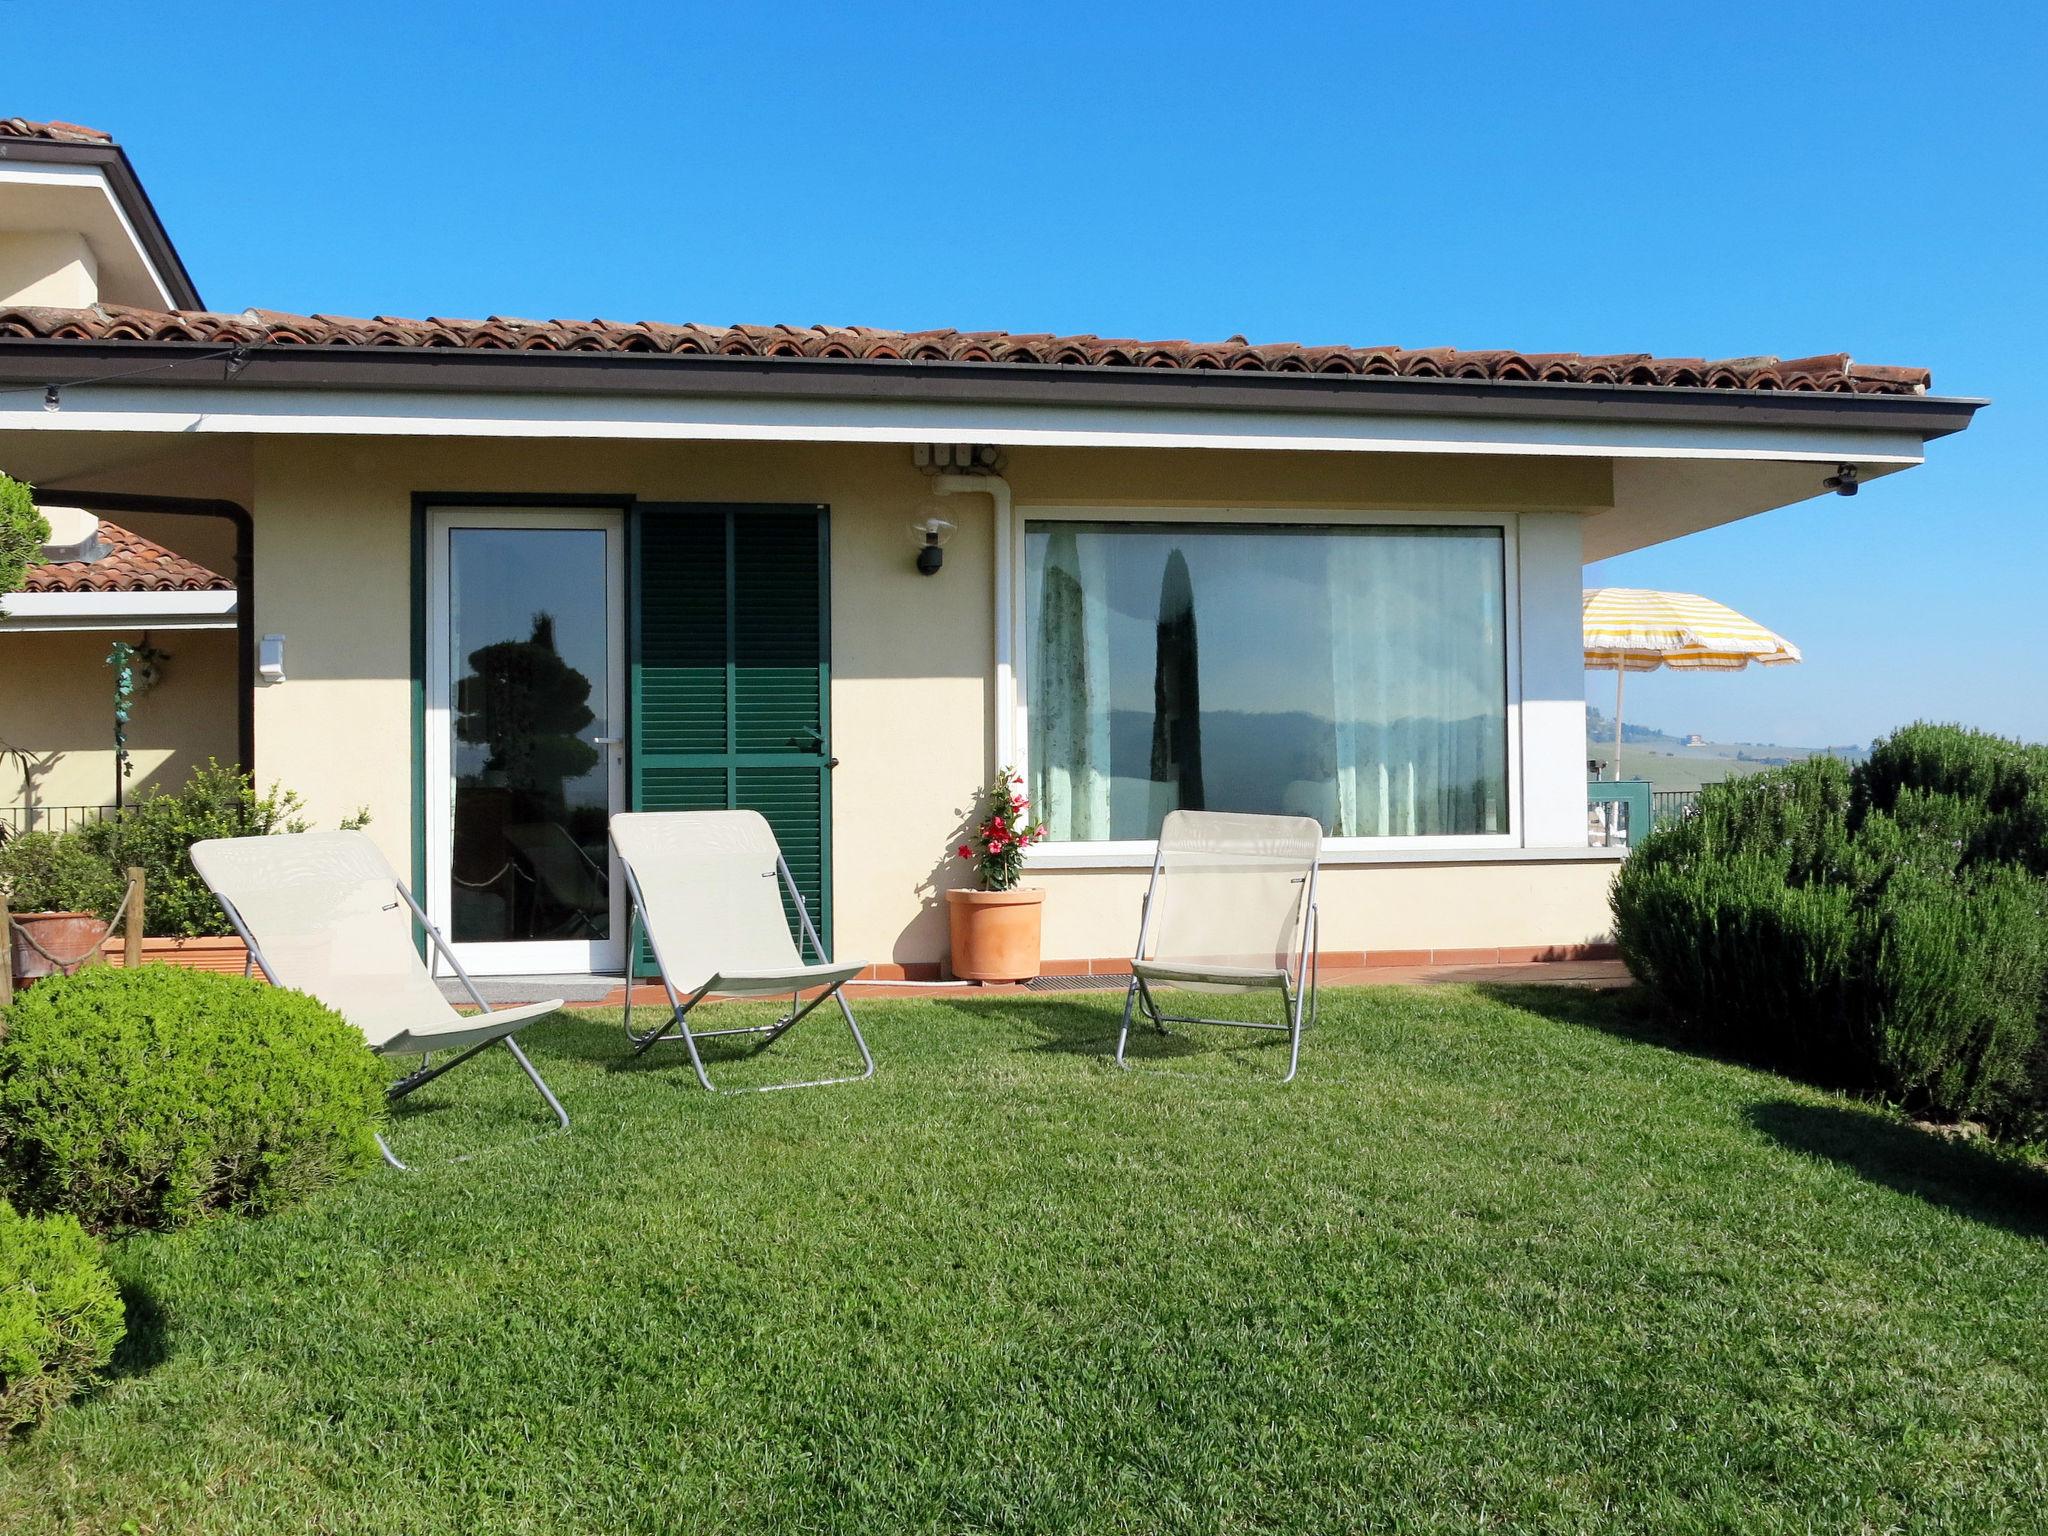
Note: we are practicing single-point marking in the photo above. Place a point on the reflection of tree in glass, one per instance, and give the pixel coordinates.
(1177, 689)
(528, 705)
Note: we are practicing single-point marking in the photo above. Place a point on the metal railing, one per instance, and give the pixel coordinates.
(1671, 805)
(1622, 815)
(16, 819)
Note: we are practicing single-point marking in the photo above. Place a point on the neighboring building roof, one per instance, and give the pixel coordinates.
(131, 564)
(1833, 373)
(63, 133)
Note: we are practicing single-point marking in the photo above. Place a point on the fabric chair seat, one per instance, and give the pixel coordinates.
(323, 913)
(463, 1031)
(723, 916)
(1197, 973)
(795, 978)
(1231, 901)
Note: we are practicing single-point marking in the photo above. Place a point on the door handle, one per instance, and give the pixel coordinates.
(815, 740)
(607, 741)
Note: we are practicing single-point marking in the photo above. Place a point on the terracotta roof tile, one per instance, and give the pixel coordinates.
(67, 133)
(1832, 373)
(131, 564)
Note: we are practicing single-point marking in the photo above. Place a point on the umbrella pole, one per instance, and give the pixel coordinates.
(1620, 675)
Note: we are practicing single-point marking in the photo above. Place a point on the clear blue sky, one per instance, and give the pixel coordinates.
(1725, 181)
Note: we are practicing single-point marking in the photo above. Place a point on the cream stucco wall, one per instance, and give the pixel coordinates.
(1412, 911)
(54, 267)
(912, 657)
(57, 704)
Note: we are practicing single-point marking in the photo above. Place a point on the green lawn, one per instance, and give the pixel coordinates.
(1496, 1262)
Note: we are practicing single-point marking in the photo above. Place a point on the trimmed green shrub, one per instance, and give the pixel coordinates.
(155, 1096)
(57, 872)
(1751, 965)
(1958, 970)
(1992, 771)
(2004, 784)
(60, 1315)
(1883, 929)
(1793, 821)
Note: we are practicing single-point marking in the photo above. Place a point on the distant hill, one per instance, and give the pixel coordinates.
(1673, 761)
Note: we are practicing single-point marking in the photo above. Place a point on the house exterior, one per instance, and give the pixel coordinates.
(496, 579)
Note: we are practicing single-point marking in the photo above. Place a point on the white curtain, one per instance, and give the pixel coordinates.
(1404, 626)
(1417, 682)
(1070, 720)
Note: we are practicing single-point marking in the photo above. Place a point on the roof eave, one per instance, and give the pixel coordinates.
(119, 610)
(36, 361)
(128, 191)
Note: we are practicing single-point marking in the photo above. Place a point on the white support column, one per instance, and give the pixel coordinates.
(1553, 682)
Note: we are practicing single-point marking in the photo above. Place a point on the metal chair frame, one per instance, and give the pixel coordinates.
(426, 1072)
(677, 1026)
(1299, 993)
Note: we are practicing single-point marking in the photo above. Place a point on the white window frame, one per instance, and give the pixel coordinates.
(517, 957)
(1013, 572)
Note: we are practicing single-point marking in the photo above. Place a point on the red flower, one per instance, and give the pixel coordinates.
(966, 852)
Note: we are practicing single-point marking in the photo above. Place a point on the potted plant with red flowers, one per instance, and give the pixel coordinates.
(995, 928)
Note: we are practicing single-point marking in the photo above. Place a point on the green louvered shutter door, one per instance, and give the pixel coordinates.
(730, 634)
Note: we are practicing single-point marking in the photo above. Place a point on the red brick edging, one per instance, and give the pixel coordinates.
(229, 955)
(1329, 959)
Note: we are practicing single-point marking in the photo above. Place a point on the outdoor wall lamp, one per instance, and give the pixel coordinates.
(929, 532)
(1843, 481)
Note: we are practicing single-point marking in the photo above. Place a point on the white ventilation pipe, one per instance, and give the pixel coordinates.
(1008, 576)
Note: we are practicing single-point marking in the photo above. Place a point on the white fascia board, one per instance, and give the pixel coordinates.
(107, 213)
(682, 418)
(48, 611)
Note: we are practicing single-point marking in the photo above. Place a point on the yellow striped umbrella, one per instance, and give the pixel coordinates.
(1630, 630)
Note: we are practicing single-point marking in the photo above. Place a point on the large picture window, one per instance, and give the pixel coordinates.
(1354, 674)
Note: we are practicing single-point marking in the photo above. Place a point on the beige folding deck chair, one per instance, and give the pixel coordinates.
(323, 913)
(707, 886)
(1231, 908)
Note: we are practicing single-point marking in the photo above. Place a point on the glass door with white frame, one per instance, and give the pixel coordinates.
(525, 751)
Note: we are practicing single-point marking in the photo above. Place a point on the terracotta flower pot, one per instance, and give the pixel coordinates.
(995, 934)
(73, 937)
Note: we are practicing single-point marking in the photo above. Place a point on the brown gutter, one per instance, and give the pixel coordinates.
(161, 364)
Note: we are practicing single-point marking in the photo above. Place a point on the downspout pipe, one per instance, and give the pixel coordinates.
(1009, 581)
(117, 502)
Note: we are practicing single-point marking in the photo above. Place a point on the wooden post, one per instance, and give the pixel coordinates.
(6, 955)
(131, 946)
